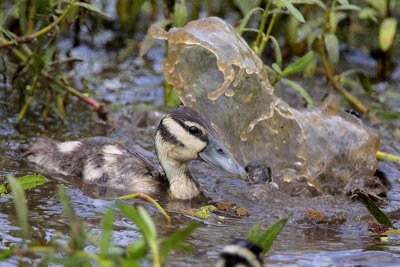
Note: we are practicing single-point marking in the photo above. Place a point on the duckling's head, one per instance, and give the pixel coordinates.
(185, 135)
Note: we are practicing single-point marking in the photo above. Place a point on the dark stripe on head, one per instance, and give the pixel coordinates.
(234, 260)
(183, 113)
(203, 136)
(250, 246)
(167, 136)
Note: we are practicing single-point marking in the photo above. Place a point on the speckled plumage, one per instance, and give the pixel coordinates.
(102, 161)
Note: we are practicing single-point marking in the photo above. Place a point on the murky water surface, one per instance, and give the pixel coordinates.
(342, 240)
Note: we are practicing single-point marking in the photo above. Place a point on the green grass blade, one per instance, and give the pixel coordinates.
(107, 226)
(134, 215)
(299, 89)
(294, 11)
(254, 234)
(20, 205)
(374, 210)
(174, 241)
(299, 65)
(5, 254)
(78, 236)
(266, 239)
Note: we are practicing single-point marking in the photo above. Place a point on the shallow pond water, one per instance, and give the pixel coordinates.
(340, 240)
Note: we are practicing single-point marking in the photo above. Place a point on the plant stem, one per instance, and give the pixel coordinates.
(260, 35)
(266, 36)
(329, 71)
(151, 201)
(386, 156)
(98, 107)
(27, 38)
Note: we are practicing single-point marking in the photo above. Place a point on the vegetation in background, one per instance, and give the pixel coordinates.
(29, 32)
(312, 30)
(149, 249)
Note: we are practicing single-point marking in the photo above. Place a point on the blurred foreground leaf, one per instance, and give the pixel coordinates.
(174, 241)
(266, 239)
(77, 230)
(20, 205)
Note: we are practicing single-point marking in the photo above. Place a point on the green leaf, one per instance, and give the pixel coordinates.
(145, 226)
(148, 221)
(379, 5)
(343, 2)
(388, 115)
(22, 12)
(299, 89)
(247, 17)
(311, 68)
(373, 209)
(347, 8)
(387, 32)
(277, 68)
(266, 239)
(174, 241)
(180, 14)
(5, 254)
(90, 8)
(363, 79)
(277, 49)
(173, 99)
(296, 13)
(299, 65)
(332, 47)
(254, 234)
(20, 205)
(245, 7)
(107, 226)
(138, 249)
(368, 13)
(310, 2)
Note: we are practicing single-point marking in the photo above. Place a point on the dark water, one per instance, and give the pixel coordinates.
(342, 240)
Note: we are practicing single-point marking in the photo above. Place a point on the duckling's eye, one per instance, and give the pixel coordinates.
(194, 130)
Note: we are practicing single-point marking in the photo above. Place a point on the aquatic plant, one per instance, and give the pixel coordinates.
(149, 248)
(73, 253)
(29, 32)
(317, 33)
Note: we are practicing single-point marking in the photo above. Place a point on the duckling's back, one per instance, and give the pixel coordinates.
(99, 160)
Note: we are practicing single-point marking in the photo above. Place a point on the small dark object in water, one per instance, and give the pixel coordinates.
(240, 253)
(258, 172)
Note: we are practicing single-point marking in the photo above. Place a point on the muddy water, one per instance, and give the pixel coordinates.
(340, 240)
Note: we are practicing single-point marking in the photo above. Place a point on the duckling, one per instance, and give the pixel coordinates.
(240, 253)
(181, 136)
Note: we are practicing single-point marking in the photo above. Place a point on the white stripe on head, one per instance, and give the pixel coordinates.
(243, 253)
(193, 145)
(67, 147)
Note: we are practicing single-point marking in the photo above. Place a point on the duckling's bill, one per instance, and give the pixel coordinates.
(216, 154)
